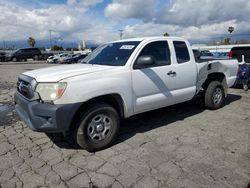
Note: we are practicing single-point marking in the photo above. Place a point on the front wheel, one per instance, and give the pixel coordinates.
(14, 59)
(35, 57)
(214, 95)
(97, 128)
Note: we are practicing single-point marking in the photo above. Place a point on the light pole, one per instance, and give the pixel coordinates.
(230, 30)
(121, 33)
(4, 44)
(50, 38)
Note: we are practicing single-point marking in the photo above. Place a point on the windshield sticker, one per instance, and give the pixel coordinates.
(127, 47)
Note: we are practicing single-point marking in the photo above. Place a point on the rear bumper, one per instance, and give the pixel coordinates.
(44, 117)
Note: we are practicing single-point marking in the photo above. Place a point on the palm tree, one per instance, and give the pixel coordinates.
(230, 30)
(31, 41)
(166, 34)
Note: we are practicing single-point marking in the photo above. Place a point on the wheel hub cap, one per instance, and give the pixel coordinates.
(217, 96)
(99, 127)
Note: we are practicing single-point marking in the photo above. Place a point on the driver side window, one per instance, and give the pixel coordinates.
(159, 51)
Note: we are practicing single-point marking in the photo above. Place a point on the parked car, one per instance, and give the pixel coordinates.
(60, 57)
(197, 54)
(56, 58)
(118, 80)
(2, 56)
(239, 52)
(243, 76)
(74, 58)
(242, 54)
(24, 54)
(51, 59)
(224, 55)
(206, 55)
(46, 55)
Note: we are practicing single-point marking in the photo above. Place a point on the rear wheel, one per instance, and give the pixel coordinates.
(214, 95)
(97, 128)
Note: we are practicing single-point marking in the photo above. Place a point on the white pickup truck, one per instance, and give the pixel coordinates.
(118, 80)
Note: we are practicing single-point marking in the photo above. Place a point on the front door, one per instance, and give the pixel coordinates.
(153, 86)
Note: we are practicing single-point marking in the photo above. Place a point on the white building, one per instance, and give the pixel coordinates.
(217, 48)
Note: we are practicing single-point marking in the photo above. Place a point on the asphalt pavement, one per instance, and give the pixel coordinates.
(183, 145)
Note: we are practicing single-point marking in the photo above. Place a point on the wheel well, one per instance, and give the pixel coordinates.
(114, 100)
(214, 77)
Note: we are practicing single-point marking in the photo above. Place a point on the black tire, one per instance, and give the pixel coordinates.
(85, 128)
(35, 57)
(245, 87)
(214, 96)
(14, 59)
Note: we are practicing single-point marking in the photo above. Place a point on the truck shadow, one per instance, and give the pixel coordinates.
(163, 117)
(148, 121)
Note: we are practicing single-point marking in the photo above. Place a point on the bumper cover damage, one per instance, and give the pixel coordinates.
(43, 117)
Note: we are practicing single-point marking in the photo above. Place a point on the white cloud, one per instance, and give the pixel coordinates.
(121, 9)
(83, 2)
(72, 21)
(192, 19)
(207, 31)
(18, 22)
(180, 12)
(196, 12)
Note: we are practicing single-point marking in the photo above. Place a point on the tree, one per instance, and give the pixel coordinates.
(31, 41)
(227, 41)
(166, 34)
(230, 29)
(243, 41)
(56, 48)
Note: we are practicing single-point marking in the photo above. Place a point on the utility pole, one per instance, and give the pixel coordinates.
(50, 31)
(230, 30)
(4, 44)
(121, 33)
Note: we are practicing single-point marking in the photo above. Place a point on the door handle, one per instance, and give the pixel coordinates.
(171, 73)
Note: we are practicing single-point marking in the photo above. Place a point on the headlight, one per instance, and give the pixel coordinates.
(51, 91)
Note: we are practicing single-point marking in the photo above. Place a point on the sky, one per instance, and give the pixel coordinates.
(99, 21)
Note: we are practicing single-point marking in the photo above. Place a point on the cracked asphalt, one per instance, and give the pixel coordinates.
(178, 146)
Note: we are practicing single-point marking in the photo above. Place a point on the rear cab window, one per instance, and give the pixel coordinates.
(181, 50)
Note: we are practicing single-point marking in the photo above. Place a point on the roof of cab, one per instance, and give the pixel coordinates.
(148, 38)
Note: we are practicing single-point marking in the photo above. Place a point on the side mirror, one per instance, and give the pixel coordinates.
(144, 62)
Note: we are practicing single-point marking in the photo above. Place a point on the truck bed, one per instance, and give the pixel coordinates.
(227, 67)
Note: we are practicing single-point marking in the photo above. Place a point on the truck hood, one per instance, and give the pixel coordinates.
(57, 73)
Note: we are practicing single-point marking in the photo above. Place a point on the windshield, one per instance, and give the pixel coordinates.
(113, 54)
(13, 52)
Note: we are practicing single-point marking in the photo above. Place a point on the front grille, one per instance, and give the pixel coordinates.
(25, 88)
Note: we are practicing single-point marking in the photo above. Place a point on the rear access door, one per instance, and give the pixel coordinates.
(186, 71)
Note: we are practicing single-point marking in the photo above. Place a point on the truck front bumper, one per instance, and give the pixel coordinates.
(43, 117)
